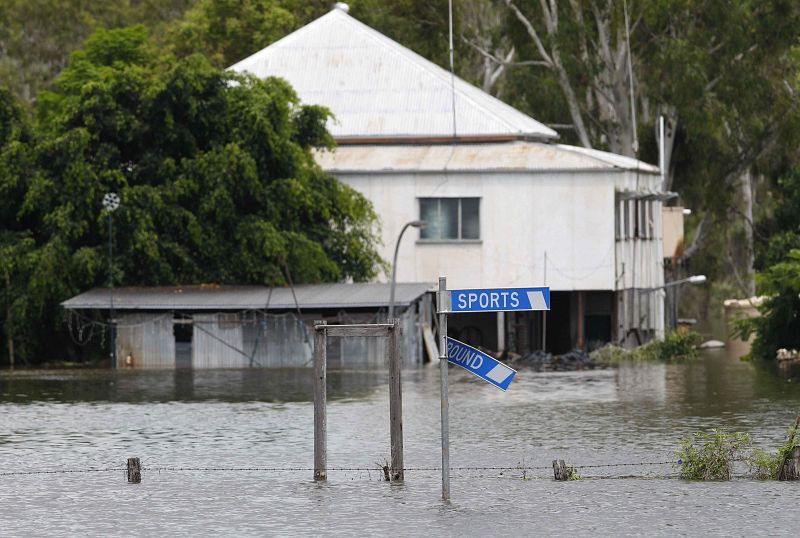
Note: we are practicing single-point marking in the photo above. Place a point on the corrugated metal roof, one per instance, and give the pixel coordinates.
(309, 297)
(509, 156)
(378, 88)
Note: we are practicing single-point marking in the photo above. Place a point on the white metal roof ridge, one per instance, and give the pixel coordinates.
(513, 156)
(398, 89)
(614, 159)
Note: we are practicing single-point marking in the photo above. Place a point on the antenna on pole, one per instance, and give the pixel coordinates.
(630, 79)
(452, 69)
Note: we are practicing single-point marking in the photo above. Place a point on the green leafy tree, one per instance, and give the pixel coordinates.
(15, 241)
(37, 36)
(215, 171)
(779, 257)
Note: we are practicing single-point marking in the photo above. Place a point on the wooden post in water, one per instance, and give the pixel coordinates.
(559, 470)
(790, 467)
(375, 330)
(395, 402)
(134, 471)
(320, 397)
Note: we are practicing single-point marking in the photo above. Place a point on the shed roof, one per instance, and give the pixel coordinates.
(510, 156)
(378, 88)
(309, 297)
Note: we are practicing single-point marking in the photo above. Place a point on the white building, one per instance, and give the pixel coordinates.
(506, 205)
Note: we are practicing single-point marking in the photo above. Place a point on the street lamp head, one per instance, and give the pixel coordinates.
(697, 279)
(418, 223)
(111, 201)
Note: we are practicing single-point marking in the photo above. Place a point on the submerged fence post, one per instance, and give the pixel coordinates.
(134, 471)
(320, 397)
(559, 470)
(395, 402)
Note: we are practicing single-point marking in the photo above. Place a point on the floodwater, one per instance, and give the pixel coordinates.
(246, 419)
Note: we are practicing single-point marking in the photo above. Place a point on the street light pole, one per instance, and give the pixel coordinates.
(111, 203)
(415, 224)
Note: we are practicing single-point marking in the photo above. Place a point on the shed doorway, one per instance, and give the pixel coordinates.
(183, 329)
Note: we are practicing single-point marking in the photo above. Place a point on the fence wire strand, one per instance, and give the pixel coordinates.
(524, 470)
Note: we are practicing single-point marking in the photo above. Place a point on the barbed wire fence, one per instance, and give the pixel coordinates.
(520, 471)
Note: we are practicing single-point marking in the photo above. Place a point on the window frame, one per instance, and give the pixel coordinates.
(460, 223)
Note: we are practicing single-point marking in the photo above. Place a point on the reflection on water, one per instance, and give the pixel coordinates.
(263, 418)
(257, 384)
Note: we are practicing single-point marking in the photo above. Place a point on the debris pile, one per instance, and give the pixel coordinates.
(574, 360)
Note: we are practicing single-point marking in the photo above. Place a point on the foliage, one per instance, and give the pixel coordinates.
(766, 466)
(711, 456)
(675, 346)
(763, 465)
(215, 171)
(779, 324)
(228, 30)
(572, 473)
(778, 256)
(37, 36)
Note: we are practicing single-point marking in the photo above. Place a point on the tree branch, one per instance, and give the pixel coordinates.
(700, 236)
(531, 32)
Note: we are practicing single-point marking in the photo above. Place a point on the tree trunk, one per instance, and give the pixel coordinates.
(9, 320)
(749, 252)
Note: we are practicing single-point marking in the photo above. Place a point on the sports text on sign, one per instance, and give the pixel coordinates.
(499, 300)
(482, 365)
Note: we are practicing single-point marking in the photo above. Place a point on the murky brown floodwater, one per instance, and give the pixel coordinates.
(52, 420)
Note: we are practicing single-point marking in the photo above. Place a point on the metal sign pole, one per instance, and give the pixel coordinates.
(445, 403)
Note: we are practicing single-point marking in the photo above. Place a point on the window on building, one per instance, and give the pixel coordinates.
(450, 219)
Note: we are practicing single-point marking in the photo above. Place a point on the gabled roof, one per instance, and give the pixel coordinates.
(379, 89)
(516, 156)
(308, 296)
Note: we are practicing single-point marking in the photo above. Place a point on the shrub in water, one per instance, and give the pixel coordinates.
(678, 345)
(675, 346)
(766, 466)
(711, 456)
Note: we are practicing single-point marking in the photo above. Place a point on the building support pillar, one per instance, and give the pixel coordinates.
(581, 340)
(501, 332)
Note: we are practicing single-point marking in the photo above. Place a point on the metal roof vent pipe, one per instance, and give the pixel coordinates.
(343, 6)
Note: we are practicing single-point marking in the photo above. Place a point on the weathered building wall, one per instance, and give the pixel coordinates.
(554, 228)
(522, 215)
(147, 338)
(279, 341)
(217, 341)
(249, 339)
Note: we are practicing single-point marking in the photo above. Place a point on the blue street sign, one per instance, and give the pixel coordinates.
(482, 365)
(498, 300)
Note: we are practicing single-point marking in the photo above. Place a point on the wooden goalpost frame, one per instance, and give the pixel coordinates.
(321, 333)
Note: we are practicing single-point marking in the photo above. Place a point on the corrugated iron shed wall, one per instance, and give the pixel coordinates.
(217, 341)
(241, 340)
(147, 338)
(279, 341)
